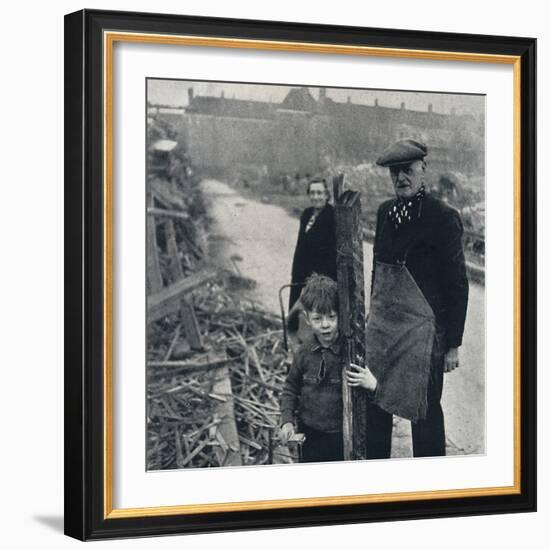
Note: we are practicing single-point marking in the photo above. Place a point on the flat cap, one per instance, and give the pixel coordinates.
(402, 152)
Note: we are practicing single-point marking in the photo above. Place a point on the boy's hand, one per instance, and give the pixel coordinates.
(286, 432)
(361, 377)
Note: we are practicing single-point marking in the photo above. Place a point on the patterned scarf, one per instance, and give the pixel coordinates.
(403, 211)
(311, 221)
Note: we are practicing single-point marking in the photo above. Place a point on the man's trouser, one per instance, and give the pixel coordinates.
(428, 435)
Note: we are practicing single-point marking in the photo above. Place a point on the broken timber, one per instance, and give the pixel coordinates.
(187, 366)
(167, 194)
(351, 298)
(167, 213)
(227, 428)
(189, 319)
(154, 277)
(190, 325)
(168, 300)
(174, 267)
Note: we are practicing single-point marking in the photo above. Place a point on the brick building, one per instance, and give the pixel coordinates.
(303, 134)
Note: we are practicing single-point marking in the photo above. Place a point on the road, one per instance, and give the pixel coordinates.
(263, 237)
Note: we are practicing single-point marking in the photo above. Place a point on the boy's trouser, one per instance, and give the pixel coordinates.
(321, 446)
(428, 435)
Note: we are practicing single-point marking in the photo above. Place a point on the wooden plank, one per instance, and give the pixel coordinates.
(173, 343)
(167, 193)
(337, 186)
(227, 427)
(182, 368)
(351, 297)
(190, 325)
(188, 317)
(167, 300)
(151, 211)
(154, 277)
(174, 266)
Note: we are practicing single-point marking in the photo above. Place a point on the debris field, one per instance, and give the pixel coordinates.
(216, 363)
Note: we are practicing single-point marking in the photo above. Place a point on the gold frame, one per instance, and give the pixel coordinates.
(109, 40)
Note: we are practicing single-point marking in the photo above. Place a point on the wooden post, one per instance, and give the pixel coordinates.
(228, 427)
(351, 297)
(191, 325)
(167, 300)
(174, 264)
(187, 311)
(154, 277)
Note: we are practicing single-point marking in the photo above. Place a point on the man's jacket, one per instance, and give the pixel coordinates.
(431, 246)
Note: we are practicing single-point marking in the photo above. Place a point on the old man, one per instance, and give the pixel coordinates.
(419, 297)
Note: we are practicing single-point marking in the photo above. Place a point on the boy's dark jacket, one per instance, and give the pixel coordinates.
(315, 393)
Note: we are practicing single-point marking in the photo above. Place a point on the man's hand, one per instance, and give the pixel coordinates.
(357, 376)
(286, 432)
(451, 361)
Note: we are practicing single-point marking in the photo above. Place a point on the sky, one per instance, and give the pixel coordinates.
(174, 92)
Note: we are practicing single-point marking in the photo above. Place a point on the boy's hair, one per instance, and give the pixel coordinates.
(320, 294)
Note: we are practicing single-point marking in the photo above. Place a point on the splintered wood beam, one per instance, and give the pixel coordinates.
(167, 193)
(337, 186)
(351, 297)
(204, 363)
(191, 325)
(188, 317)
(227, 426)
(174, 265)
(167, 300)
(161, 212)
(154, 277)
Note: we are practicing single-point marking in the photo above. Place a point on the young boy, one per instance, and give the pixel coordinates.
(314, 383)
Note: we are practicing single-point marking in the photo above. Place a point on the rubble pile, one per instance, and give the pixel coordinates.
(215, 359)
(186, 411)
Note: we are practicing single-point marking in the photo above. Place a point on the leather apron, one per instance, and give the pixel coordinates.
(399, 339)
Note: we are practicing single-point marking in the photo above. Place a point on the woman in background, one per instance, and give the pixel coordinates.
(316, 245)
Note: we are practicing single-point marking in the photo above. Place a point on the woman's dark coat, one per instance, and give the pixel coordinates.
(315, 250)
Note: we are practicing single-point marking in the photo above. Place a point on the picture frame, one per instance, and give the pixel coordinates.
(90, 206)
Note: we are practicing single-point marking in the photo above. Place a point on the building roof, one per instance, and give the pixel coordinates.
(221, 106)
(349, 109)
(300, 100)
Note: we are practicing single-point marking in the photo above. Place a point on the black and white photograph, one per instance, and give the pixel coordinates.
(315, 267)
(300, 275)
